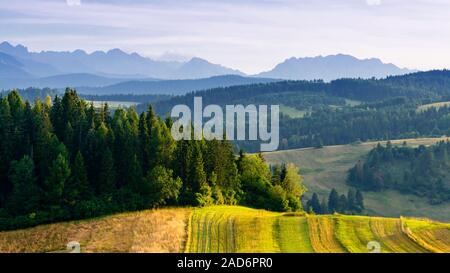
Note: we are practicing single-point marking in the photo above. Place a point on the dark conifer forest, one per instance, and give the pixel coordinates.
(63, 159)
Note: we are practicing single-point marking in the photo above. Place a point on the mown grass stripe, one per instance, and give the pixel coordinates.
(322, 234)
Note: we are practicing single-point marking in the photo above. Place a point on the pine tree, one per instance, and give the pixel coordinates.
(351, 199)
(106, 173)
(77, 187)
(343, 204)
(324, 207)
(144, 142)
(359, 200)
(6, 147)
(55, 183)
(198, 178)
(25, 194)
(227, 173)
(333, 201)
(136, 179)
(239, 160)
(315, 204)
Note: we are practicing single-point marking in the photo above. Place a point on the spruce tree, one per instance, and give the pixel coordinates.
(324, 207)
(315, 204)
(333, 201)
(343, 204)
(351, 199)
(26, 195)
(77, 187)
(6, 148)
(55, 183)
(359, 200)
(106, 173)
(136, 179)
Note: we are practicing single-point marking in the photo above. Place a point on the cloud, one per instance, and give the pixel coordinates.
(250, 35)
(73, 2)
(373, 2)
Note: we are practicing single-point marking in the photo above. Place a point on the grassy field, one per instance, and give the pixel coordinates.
(436, 105)
(326, 168)
(232, 229)
(292, 112)
(161, 230)
(239, 229)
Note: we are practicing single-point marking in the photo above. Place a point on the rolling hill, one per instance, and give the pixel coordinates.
(232, 229)
(326, 168)
(60, 81)
(172, 87)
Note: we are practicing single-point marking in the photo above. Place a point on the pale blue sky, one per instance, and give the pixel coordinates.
(249, 35)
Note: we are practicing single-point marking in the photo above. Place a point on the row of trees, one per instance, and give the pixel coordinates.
(353, 203)
(423, 171)
(65, 159)
(351, 124)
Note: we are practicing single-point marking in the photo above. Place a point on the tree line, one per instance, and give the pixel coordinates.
(63, 159)
(352, 203)
(422, 171)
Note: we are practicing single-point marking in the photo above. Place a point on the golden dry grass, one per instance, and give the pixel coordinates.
(394, 239)
(161, 230)
(322, 235)
(432, 236)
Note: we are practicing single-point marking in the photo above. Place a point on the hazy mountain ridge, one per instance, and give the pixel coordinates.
(99, 70)
(113, 62)
(60, 81)
(11, 66)
(333, 67)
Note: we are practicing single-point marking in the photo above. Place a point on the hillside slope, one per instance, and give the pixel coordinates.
(232, 229)
(326, 168)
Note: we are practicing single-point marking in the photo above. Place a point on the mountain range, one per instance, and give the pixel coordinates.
(113, 63)
(333, 67)
(118, 70)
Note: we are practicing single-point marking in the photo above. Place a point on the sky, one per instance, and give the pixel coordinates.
(250, 35)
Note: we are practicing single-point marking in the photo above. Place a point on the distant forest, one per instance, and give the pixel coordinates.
(63, 159)
(340, 112)
(385, 109)
(422, 171)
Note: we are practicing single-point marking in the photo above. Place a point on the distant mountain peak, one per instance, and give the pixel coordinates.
(18, 50)
(332, 67)
(116, 51)
(197, 60)
(197, 68)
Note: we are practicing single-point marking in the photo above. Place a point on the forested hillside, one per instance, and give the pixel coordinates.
(342, 111)
(64, 159)
(423, 171)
